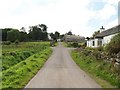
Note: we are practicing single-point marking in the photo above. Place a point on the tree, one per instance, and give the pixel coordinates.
(23, 29)
(13, 35)
(4, 33)
(87, 38)
(52, 36)
(57, 35)
(69, 33)
(96, 33)
(38, 32)
(23, 36)
(61, 36)
(43, 27)
(35, 33)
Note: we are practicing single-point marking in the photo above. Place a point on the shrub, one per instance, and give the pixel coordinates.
(7, 42)
(100, 48)
(16, 42)
(114, 45)
(74, 44)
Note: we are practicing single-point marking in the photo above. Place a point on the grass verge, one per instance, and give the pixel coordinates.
(97, 69)
(20, 74)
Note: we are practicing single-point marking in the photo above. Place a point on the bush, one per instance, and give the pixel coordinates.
(114, 45)
(16, 42)
(74, 44)
(100, 48)
(6, 42)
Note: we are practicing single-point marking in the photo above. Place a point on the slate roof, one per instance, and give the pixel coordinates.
(74, 38)
(108, 32)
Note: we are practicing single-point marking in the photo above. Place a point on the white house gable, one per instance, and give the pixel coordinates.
(107, 39)
(103, 37)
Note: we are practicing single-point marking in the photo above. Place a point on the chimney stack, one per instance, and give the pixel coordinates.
(102, 29)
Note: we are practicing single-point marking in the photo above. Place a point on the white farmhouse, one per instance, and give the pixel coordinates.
(103, 37)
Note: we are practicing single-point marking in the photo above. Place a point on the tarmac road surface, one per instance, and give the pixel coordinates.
(60, 71)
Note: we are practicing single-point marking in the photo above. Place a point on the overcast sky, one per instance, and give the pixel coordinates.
(82, 17)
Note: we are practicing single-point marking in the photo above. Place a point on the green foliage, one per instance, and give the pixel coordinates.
(53, 43)
(69, 33)
(4, 33)
(55, 36)
(16, 42)
(100, 48)
(19, 75)
(6, 42)
(95, 33)
(75, 45)
(38, 32)
(12, 55)
(71, 44)
(114, 45)
(13, 35)
(23, 36)
(96, 67)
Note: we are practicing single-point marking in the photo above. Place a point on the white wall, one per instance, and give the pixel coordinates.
(90, 43)
(107, 39)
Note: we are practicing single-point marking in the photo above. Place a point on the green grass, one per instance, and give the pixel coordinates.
(72, 44)
(64, 44)
(56, 44)
(20, 63)
(98, 69)
(20, 74)
(23, 46)
(12, 54)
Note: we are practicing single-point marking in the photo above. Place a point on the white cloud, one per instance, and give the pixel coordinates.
(111, 24)
(58, 15)
(106, 12)
(113, 2)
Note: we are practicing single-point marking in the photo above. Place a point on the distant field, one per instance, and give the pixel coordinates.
(21, 62)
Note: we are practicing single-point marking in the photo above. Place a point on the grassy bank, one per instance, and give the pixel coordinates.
(97, 69)
(12, 54)
(19, 74)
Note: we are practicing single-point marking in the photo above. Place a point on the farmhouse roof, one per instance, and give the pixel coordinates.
(108, 32)
(74, 38)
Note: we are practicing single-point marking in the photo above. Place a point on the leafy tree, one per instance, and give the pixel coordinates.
(23, 36)
(52, 35)
(87, 38)
(38, 32)
(96, 33)
(61, 36)
(44, 36)
(13, 35)
(23, 29)
(57, 35)
(43, 27)
(69, 33)
(4, 33)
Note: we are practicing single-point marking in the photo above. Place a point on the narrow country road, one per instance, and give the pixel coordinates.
(60, 71)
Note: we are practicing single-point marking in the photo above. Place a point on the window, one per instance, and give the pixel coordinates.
(93, 43)
(99, 42)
